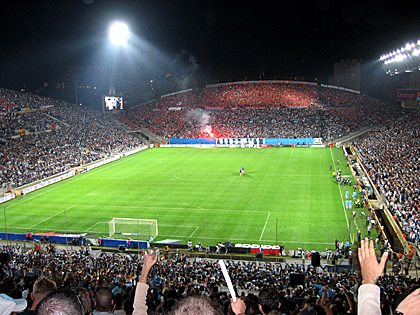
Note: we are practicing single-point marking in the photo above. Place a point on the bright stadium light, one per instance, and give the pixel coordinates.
(119, 33)
(403, 59)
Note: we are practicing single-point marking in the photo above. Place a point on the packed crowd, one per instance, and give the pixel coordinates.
(64, 137)
(258, 94)
(263, 110)
(11, 100)
(17, 123)
(38, 144)
(149, 286)
(392, 158)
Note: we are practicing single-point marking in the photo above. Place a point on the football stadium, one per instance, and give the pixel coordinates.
(246, 196)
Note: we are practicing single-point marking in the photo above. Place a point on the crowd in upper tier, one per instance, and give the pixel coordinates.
(11, 100)
(266, 110)
(259, 94)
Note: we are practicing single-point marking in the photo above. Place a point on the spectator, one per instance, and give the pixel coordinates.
(140, 307)
(269, 300)
(128, 306)
(61, 302)
(42, 286)
(8, 305)
(193, 305)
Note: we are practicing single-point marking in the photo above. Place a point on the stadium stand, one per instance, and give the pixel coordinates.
(46, 141)
(41, 143)
(172, 280)
(278, 110)
(259, 94)
(392, 159)
(11, 100)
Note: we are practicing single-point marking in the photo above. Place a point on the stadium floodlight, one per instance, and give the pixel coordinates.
(119, 33)
(403, 59)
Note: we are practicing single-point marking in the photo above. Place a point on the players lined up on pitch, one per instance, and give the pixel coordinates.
(114, 284)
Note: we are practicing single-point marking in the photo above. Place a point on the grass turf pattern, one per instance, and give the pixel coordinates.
(198, 195)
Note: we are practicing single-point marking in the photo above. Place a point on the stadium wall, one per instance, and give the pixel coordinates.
(289, 141)
(266, 141)
(192, 141)
(62, 239)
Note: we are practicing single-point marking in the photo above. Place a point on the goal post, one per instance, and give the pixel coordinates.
(143, 229)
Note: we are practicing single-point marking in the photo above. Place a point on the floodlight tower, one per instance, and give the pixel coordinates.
(118, 35)
(404, 59)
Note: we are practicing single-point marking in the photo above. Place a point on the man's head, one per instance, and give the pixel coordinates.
(269, 300)
(42, 286)
(61, 302)
(195, 305)
(104, 300)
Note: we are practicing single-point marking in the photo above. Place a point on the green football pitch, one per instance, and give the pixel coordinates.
(287, 196)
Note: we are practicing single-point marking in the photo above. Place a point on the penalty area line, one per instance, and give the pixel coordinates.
(194, 231)
(49, 218)
(97, 223)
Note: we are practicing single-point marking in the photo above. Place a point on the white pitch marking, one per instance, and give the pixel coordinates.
(56, 186)
(194, 231)
(269, 213)
(95, 225)
(50, 217)
(341, 194)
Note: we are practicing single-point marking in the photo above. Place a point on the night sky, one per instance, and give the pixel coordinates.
(41, 40)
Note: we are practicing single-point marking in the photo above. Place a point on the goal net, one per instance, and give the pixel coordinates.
(139, 228)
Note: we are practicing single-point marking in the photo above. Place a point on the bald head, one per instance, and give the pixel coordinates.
(61, 302)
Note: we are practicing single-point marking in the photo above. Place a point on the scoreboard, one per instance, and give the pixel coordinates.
(112, 103)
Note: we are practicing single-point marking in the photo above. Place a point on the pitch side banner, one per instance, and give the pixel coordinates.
(48, 182)
(7, 198)
(408, 95)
